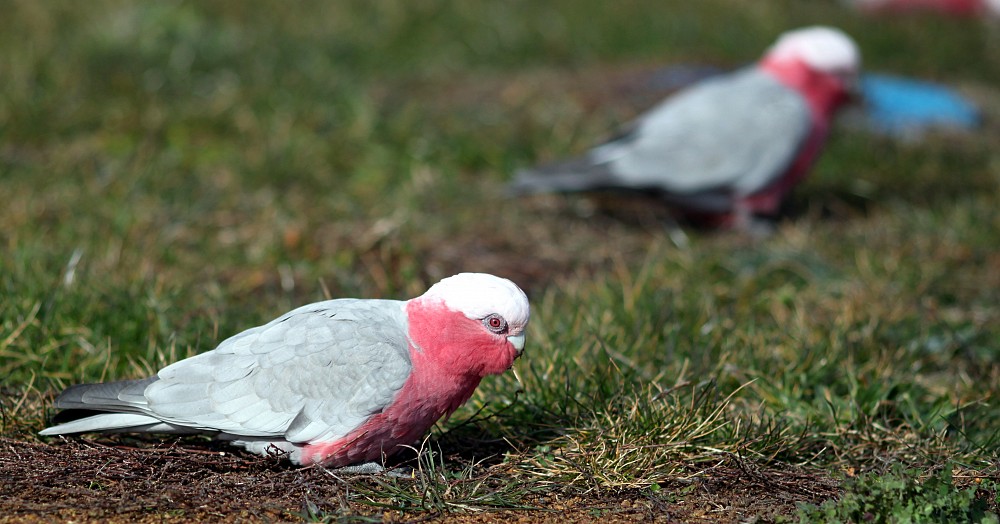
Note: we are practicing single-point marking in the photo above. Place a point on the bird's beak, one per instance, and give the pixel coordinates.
(517, 341)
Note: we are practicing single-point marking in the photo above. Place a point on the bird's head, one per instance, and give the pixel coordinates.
(822, 49)
(471, 323)
(822, 63)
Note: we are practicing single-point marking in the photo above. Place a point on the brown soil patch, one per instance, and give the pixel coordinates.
(89, 481)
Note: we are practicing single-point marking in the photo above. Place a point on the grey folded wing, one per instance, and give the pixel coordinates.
(730, 135)
(315, 373)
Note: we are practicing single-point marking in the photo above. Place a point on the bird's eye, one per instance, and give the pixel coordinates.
(495, 323)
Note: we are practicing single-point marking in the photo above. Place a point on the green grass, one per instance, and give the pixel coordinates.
(173, 173)
(934, 500)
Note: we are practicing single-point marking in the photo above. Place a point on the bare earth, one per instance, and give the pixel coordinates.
(173, 482)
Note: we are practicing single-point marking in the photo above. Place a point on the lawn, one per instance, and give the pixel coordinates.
(175, 172)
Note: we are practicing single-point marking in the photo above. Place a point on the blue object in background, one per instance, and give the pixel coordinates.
(903, 106)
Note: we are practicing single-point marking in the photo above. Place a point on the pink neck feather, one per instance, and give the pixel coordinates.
(823, 91)
(450, 355)
(448, 343)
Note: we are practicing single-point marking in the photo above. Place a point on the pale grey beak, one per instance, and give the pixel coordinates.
(517, 341)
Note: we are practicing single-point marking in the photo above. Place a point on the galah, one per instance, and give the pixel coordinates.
(729, 147)
(337, 383)
(948, 7)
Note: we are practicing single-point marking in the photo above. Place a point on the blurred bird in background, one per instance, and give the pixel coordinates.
(727, 150)
(948, 7)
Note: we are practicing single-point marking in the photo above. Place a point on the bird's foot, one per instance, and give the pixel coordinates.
(746, 222)
(757, 228)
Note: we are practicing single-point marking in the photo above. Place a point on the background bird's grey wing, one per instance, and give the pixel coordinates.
(736, 133)
(315, 373)
(567, 176)
(578, 174)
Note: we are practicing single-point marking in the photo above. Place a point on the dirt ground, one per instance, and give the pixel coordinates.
(89, 481)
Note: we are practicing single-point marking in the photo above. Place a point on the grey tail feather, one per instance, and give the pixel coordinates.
(121, 396)
(581, 174)
(570, 176)
(92, 401)
(109, 407)
(116, 423)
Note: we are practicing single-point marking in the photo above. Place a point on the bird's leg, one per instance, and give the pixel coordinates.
(743, 219)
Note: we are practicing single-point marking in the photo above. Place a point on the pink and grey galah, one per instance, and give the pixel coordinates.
(730, 147)
(337, 383)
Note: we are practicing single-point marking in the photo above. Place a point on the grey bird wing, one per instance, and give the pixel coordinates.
(315, 373)
(729, 135)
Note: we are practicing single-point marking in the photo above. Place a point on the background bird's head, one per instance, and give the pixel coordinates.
(822, 49)
(470, 323)
(822, 63)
